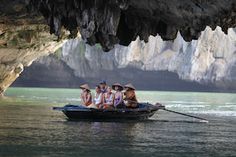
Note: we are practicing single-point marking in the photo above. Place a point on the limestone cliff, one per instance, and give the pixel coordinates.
(48, 71)
(20, 47)
(23, 39)
(26, 25)
(209, 60)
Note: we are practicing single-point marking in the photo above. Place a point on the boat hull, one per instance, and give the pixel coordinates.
(74, 112)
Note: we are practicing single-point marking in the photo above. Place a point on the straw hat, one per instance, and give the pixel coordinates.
(117, 84)
(130, 86)
(85, 86)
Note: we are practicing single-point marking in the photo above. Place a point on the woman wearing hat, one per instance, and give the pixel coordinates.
(118, 99)
(86, 96)
(130, 96)
(108, 99)
(97, 101)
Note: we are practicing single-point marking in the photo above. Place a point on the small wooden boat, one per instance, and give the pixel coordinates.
(79, 112)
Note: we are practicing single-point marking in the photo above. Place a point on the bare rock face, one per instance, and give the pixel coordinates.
(23, 39)
(20, 50)
(109, 22)
(25, 25)
(210, 60)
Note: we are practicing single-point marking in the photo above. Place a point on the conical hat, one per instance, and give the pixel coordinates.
(117, 84)
(85, 86)
(129, 85)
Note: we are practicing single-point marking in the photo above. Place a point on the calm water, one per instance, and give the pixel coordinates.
(28, 127)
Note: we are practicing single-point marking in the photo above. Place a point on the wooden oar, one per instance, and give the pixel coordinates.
(184, 114)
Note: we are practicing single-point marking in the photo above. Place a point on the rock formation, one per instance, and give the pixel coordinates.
(109, 22)
(25, 25)
(210, 60)
(48, 71)
(23, 39)
(16, 52)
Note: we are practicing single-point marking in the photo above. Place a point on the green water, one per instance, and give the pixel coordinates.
(29, 127)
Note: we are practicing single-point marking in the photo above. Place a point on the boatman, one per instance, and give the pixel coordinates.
(130, 96)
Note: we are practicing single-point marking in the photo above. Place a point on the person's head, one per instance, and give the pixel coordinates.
(85, 88)
(109, 89)
(129, 87)
(103, 84)
(98, 89)
(117, 87)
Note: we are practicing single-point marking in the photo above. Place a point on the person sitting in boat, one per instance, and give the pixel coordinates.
(98, 99)
(130, 96)
(118, 99)
(103, 86)
(108, 99)
(86, 96)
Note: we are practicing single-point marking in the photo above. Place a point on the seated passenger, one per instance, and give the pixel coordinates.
(118, 100)
(86, 96)
(130, 96)
(103, 86)
(97, 101)
(108, 99)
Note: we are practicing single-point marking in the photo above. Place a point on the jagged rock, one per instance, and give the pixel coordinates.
(22, 45)
(23, 39)
(109, 22)
(211, 60)
(24, 35)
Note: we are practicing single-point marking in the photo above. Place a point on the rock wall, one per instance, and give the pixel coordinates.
(209, 60)
(25, 36)
(48, 71)
(109, 22)
(20, 46)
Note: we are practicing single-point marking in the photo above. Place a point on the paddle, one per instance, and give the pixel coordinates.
(184, 114)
